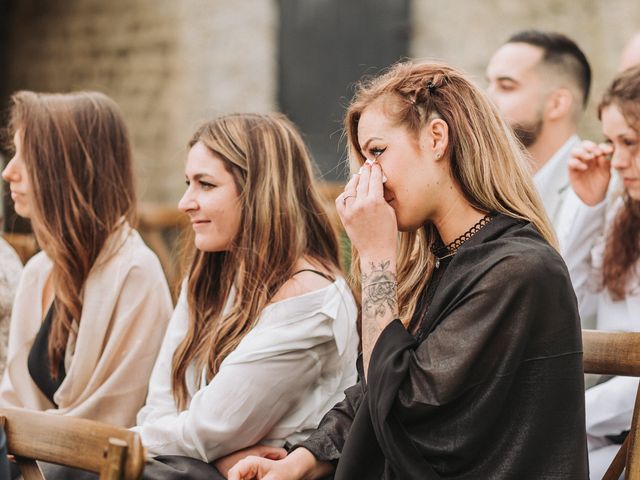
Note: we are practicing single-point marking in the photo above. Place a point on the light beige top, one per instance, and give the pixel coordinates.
(126, 307)
(10, 270)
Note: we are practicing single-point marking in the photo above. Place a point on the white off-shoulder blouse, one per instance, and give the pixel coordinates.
(285, 374)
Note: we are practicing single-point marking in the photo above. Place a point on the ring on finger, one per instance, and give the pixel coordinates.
(344, 199)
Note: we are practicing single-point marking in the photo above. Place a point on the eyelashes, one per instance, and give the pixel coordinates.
(204, 185)
(376, 152)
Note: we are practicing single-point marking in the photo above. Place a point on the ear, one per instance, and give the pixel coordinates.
(559, 104)
(436, 137)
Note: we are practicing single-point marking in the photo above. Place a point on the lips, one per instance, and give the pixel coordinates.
(199, 223)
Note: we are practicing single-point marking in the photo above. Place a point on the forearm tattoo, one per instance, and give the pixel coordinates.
(379, 291)
(379, 304)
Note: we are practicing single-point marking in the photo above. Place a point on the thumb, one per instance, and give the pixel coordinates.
(276, 454)
(243, 471)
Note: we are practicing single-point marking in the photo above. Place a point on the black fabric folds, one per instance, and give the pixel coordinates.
(39, 363)
(491, 385)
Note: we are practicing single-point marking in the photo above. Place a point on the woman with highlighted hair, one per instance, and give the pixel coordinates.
(471, 363)
(263, 340)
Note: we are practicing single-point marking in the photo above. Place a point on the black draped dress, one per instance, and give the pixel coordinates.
(490, 387)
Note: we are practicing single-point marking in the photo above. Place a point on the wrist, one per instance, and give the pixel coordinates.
(302, 463)
(373, 261)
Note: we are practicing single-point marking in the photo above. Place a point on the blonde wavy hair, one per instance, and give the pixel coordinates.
(283, 220)
(485, 159)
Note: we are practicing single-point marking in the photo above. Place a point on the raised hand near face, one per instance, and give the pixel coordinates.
(369, 221)
(590, 171)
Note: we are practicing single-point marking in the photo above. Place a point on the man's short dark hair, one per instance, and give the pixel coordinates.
(560, 53)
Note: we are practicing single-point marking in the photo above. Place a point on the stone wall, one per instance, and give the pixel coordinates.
(168, 64)
(467, 32)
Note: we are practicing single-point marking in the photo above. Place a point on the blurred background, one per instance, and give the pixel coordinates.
(172, 63)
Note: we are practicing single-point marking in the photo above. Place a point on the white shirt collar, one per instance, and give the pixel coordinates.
(547, 178)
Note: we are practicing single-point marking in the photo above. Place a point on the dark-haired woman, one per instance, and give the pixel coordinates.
(604, 258)
(92, 307)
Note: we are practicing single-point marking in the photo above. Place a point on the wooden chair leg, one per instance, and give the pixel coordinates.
(29, 469)
(633, 456)
(619, 461)
(113, 468)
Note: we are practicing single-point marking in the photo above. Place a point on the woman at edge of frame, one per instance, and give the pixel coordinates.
(603, 255)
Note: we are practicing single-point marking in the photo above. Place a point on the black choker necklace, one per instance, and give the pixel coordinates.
(449, 250)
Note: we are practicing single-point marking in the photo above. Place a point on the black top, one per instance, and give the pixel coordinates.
(39, 363)
(492, 386)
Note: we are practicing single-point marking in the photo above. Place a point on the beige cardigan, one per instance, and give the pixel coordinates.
(126, 307)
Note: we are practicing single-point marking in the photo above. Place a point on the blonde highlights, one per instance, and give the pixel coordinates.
(283, 220)
(485, 159)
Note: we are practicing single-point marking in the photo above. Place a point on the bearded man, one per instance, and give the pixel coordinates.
(540, 81)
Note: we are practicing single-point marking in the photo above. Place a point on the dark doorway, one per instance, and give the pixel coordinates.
(9, 221)
(325, 46)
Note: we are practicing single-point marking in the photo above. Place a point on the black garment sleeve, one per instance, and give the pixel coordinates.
(480, 335)
(327, 441)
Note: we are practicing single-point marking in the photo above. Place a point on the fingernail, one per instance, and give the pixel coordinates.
(368, 161)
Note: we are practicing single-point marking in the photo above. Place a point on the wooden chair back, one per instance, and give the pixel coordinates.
(617, 353)
(114, 453)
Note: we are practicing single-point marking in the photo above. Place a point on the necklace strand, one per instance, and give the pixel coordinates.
(451, 248)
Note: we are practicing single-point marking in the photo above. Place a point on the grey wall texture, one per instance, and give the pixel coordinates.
(467, 32)
(171, 64)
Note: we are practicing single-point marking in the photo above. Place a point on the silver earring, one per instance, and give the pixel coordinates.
(437, 155)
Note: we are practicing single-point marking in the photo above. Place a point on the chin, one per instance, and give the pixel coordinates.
(204, 245)
(634, 194)
(22, 212)
(408, 226)
(209, 245)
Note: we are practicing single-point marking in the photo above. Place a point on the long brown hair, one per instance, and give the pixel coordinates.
(77, 153)
(486, 160)
(622, 248)
(283, 219)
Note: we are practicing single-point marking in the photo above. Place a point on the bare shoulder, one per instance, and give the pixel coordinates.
(310, 276)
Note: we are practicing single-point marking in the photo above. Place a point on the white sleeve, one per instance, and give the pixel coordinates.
(160, 400)
(584, 232)
(609, 407)
(265, 377)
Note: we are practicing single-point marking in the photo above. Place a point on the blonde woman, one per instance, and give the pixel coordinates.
(91, 308)
(263, 340)
(472, 364)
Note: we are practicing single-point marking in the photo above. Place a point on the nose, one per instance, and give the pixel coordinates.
(10, 173)
(619, 160)
(187, 203)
